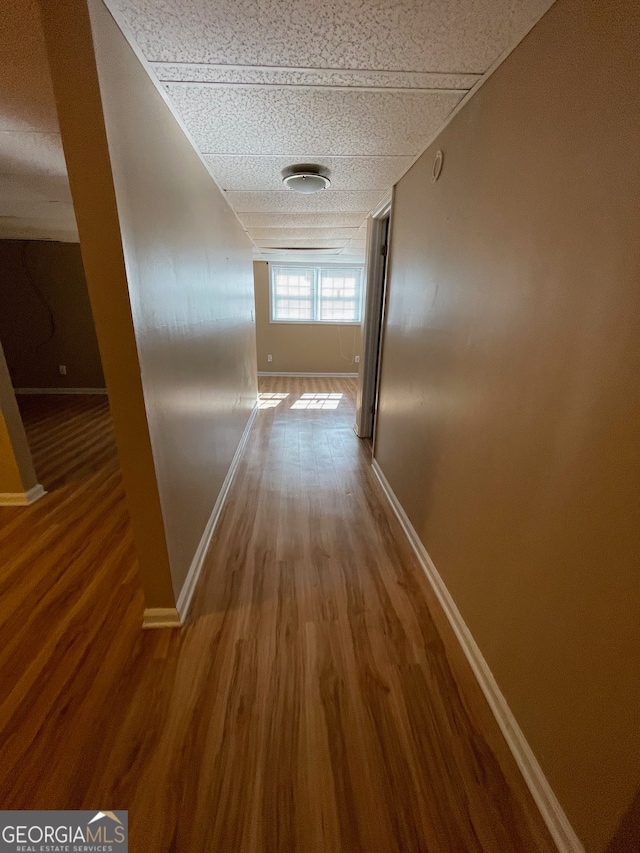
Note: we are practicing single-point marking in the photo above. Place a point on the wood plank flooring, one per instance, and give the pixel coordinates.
(315, 702)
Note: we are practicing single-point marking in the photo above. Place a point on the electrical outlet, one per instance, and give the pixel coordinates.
(357, 359)
(269, 358)
(63, 369)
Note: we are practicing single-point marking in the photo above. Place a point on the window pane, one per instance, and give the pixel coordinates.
(292, 293)
(312, 294)
(340, 292)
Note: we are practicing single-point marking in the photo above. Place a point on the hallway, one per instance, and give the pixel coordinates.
(316, 700)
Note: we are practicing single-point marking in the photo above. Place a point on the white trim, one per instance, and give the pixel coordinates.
(318, 375)
(22, 498)
(552, 813)
(59, 390)
(188, 588)
(384, 207)
(316, 298)
(161, 617)
(315, 322)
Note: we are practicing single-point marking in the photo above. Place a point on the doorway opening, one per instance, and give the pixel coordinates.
(377, 262)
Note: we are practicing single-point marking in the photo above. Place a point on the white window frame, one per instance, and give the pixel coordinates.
(316, 293)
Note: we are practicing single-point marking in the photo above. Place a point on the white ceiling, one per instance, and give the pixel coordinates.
(359, 87)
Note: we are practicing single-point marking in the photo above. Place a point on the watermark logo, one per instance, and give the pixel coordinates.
(64, 832)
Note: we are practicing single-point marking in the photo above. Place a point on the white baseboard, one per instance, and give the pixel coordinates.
(188, 588)
(59, 390)
(22, 498)
(552, 813)
(161, 617)
(312, 375)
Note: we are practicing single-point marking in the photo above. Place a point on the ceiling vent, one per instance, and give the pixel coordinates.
(305, 178)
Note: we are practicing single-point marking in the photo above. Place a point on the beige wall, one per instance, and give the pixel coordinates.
(301, 348)
(175, 332)
(509, 418)
(33, 353)
(191, 285)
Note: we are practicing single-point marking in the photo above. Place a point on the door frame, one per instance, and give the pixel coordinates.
(376, 275)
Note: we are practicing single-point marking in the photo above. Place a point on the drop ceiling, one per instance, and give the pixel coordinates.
(35, 200)
(359, 87)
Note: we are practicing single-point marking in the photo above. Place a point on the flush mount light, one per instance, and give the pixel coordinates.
(305, 178)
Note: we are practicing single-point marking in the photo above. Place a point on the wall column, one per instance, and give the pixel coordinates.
(72, 62)
(18, 482)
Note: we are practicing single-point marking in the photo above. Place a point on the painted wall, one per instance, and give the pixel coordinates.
(190, 280)
(301, 348)
(41, 282)
(509, 421)
(175, 332)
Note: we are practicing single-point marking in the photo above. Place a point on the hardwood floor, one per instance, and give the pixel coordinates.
(316, 701)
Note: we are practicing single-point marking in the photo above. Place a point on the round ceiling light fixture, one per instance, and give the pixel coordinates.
(305, 178)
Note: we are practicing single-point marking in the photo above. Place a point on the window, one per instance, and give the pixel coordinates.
(316, 294)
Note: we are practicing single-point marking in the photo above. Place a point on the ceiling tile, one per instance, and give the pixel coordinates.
(289, 202)
(295, 122)
(32, 153)
(341, 219)
(310, 243)
(33, 193)
(308, 256)
(346, 173)
(202, 73)
(303, 233)
(406, 35)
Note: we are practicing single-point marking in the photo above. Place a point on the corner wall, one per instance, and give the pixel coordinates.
(300, 347)
(509, 417)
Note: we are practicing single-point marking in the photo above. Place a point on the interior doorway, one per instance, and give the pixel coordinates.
(377, 262)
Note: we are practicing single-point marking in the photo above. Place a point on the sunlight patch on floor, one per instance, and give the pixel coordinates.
(268, 400)
(318, 401)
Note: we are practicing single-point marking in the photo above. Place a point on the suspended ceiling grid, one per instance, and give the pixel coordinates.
(358, 88)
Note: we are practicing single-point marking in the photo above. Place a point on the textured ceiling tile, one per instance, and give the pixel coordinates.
(346, 173)
(194, 73)
(34, 191)
(311, 243)
(405, 35)
(288, 255)
(342, 219)
(34, 188)
(303, 233)
(290, 202)
(233, 120)
(23, 211)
